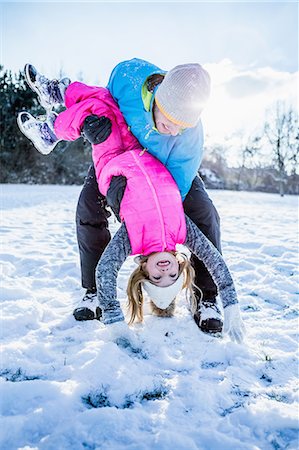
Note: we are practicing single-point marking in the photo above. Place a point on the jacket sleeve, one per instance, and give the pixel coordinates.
(185, 158)
(107, 270)
(198, 244)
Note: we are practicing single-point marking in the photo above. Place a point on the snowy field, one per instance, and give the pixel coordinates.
(165, 385)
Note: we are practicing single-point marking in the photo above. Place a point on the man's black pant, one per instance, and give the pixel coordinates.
(93, 234)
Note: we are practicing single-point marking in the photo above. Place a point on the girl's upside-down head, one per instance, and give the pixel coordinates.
(162, 276)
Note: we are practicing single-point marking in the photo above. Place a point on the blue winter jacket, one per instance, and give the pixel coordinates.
(181, 154)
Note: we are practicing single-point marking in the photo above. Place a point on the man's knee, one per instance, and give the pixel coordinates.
(96, 218)
(211, 214)
(91, 207)
(92, 239)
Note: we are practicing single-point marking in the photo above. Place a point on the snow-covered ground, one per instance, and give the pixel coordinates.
(70, 385)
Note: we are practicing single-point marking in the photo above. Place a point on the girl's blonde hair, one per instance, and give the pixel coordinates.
(134, 289)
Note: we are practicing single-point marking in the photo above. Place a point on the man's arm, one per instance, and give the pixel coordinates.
(107, 270)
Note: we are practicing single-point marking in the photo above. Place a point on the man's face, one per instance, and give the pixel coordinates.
(164, 125)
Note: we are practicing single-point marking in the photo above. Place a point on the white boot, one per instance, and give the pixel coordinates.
(88, 308)
(50, 92)
(208, 317)
(40, 132)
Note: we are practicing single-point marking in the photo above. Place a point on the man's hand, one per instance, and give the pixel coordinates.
(115, 194)
(96, 129)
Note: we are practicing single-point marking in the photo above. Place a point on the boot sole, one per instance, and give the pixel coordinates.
(35, 89)
(209, 326)
(42, 150)
(82, 314)
(23, 130)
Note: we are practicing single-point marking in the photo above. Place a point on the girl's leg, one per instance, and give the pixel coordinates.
(81, 101)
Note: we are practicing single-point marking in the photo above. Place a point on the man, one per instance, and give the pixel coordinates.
(162, 109)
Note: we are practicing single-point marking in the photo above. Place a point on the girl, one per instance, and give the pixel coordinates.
(151, 211)
(162, 299)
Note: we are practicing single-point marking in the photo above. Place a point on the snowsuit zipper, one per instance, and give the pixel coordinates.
(163, 237)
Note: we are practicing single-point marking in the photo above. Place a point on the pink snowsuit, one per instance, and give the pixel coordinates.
(151, 206)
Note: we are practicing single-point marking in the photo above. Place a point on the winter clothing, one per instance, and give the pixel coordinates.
(163, 296)
(208, 317)
(93, 234)
(50, 92)
(200, 209)
(183, 94)
(88, 308)
(115, 194)
(181, 154)
(151, 206)
(96, 129)
(40, 132)
(119, 249)
(233, 324)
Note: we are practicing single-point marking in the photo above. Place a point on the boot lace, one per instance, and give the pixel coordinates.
(90, 297)
(211, 305)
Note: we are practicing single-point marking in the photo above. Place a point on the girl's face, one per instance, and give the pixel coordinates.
(162, 268)
(164, 125)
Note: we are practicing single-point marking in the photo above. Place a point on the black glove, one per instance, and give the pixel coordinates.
(115, 194)
(96, 129)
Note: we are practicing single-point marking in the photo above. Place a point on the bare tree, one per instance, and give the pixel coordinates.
(249, 160)
(282, 135)
(215, 161)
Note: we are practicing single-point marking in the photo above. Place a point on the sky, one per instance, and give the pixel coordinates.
(249, 48)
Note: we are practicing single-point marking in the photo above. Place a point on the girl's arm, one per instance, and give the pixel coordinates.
(206, 252)
(107, 270)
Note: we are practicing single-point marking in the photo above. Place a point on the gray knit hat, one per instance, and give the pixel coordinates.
(183, 93)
